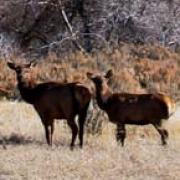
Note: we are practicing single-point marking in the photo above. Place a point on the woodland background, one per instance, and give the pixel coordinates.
(138, 39)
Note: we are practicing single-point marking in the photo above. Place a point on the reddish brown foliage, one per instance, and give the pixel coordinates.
(136, 69)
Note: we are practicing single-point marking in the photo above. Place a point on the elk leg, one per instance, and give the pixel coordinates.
(121, 133)
(74, 130)
(82, 118)
(49, 129)
(47, 132)
(163, 133)
(52, 131)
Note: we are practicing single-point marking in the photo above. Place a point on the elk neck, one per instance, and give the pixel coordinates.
(102, 95)
(25, 90)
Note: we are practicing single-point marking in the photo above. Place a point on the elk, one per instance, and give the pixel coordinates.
(134, 109)
(53, 100)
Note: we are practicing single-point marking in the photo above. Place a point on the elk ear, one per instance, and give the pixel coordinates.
(11, 65)
(33, 64)
(89, 75)
(27, 65)
(109, 74)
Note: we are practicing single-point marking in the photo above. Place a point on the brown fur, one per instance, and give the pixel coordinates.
(54, 100)
(137, 109)
(169, 101)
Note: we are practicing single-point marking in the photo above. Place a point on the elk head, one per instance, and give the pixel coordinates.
(99, 79)
(102, 90)
(18, 68)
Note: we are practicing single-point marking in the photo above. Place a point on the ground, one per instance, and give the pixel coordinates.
(26, 155)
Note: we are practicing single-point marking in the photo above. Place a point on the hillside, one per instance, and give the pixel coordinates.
(38, 26)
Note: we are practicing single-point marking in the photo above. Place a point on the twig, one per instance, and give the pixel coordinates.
(55, 43)
(73, 35)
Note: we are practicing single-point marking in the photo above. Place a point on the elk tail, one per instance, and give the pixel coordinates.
(170, 104)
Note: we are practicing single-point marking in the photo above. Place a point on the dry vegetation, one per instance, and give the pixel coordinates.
(137, 69)
(37, 28)
(28, 157)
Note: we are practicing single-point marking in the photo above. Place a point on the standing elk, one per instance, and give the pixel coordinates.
(54, 100)
(135, 109)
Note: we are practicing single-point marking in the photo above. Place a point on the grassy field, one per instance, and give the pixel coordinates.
(28, 157)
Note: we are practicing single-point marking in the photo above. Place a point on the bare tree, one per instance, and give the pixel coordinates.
(41, 24)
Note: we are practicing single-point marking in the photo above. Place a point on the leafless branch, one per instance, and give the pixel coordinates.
(73, 35)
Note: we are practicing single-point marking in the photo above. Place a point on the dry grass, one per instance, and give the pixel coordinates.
(28, 157)
(137, 69)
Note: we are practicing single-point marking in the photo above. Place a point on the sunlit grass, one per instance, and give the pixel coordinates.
(28, 157)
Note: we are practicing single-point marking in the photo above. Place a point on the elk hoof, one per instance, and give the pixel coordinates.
(72, 147)
(164, 143)
(81, 146)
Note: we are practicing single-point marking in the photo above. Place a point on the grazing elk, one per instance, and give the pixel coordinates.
(137, 109)
(54, 100)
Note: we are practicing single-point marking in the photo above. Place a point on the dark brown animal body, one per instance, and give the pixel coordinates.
(56, 101)
(136, 109)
